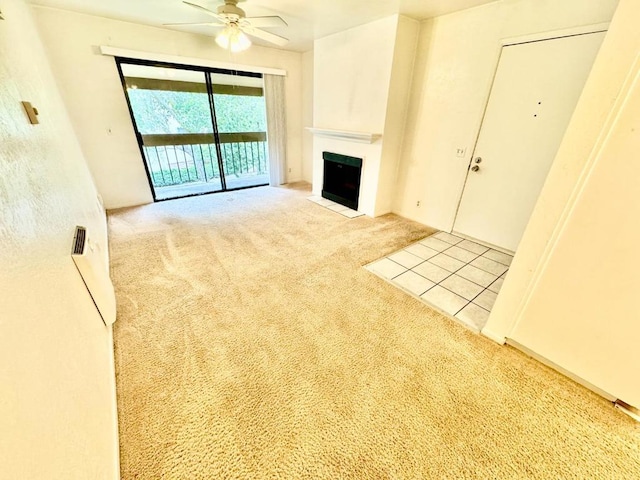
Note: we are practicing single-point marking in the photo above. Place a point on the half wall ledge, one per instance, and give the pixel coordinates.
(348, 136)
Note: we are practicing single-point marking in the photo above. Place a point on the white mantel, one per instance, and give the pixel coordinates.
(359, 137)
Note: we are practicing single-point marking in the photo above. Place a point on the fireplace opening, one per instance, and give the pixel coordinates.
(342, 179)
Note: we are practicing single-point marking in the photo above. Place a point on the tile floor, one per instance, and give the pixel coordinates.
(457, 276)
(336, 207)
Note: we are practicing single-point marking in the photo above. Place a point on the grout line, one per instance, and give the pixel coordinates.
(486, 271)
(450, 274)
(433, 306)
(483, 255)
(475, 243)
(360, 214)
(466, 263)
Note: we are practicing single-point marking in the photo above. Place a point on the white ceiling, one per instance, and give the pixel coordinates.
(307, 19)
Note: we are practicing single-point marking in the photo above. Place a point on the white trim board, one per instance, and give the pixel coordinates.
(193, 61)
(493, 336)
(567, 32)
(563, 371)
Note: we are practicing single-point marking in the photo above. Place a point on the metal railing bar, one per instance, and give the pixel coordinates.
(166, 156)
(239, 159)
(204, 164)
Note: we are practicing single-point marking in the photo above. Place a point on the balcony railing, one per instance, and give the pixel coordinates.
(176, 159)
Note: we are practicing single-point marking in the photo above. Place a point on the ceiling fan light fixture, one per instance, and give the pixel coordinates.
(232, 38)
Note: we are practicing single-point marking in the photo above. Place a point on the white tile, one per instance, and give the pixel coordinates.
(474, 316)
(413, 282)
(490, 266)
(499, 257)
(421, 251)
(337, 207)
(325, 202)
(435, 244)
(406, 259)
(462, 287)
(460, 254)
(486, 299)
(476, 275)
(496, 286)
(314, 198)
(446, 262)
(351, 213)
(432, 272)
(445, 300)
(386, 268)
(473, 247)
(447, 237)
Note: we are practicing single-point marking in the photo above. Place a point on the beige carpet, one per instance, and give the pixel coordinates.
(251, 344)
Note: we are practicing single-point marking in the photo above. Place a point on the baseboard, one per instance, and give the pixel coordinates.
(494, 336)
(628, 410)
(562, 370)
(114, 407)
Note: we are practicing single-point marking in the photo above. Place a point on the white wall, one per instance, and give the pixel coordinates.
(57, 383)
(457, 58)
(570, 295)
(307, 116)
(352, 71)
(91, 89)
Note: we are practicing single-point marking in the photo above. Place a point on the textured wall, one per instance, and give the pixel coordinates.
(57, 386)
(457, 58)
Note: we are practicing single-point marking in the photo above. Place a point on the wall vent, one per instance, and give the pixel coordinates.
(92, 267)
(78, 240)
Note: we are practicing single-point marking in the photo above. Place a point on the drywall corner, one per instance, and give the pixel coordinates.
(404, 55)
(307, 116)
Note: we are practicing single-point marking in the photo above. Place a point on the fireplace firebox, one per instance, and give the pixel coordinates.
(342, 179)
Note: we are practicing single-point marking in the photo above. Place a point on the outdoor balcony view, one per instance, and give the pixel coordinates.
(174, 121)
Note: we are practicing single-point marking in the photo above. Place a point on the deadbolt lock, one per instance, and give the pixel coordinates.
(478, 159)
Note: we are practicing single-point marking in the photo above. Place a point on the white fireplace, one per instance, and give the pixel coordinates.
(362, 78)
(367, 146)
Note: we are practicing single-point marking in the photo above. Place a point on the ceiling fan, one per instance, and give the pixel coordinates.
(236, 24)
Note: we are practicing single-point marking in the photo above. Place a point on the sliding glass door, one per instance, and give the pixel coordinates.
(199, 131)
(242, 129)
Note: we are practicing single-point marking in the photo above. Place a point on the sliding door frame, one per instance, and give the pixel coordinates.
(207, 71)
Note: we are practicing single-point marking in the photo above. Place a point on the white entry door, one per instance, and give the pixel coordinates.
(534, 94)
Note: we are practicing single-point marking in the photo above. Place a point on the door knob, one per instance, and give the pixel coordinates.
(478, 159)
(475, 168)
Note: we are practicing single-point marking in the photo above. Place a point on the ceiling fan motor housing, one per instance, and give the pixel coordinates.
(230, 9)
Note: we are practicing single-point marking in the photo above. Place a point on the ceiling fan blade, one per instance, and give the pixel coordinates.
(269, 37)
(261, 22)
(207, 11)
(211, 24)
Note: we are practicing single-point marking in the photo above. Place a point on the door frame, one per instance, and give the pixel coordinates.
(206, 71)
(505, 42)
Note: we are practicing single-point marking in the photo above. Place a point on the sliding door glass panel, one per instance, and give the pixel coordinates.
(173, 117)
(242, 129)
